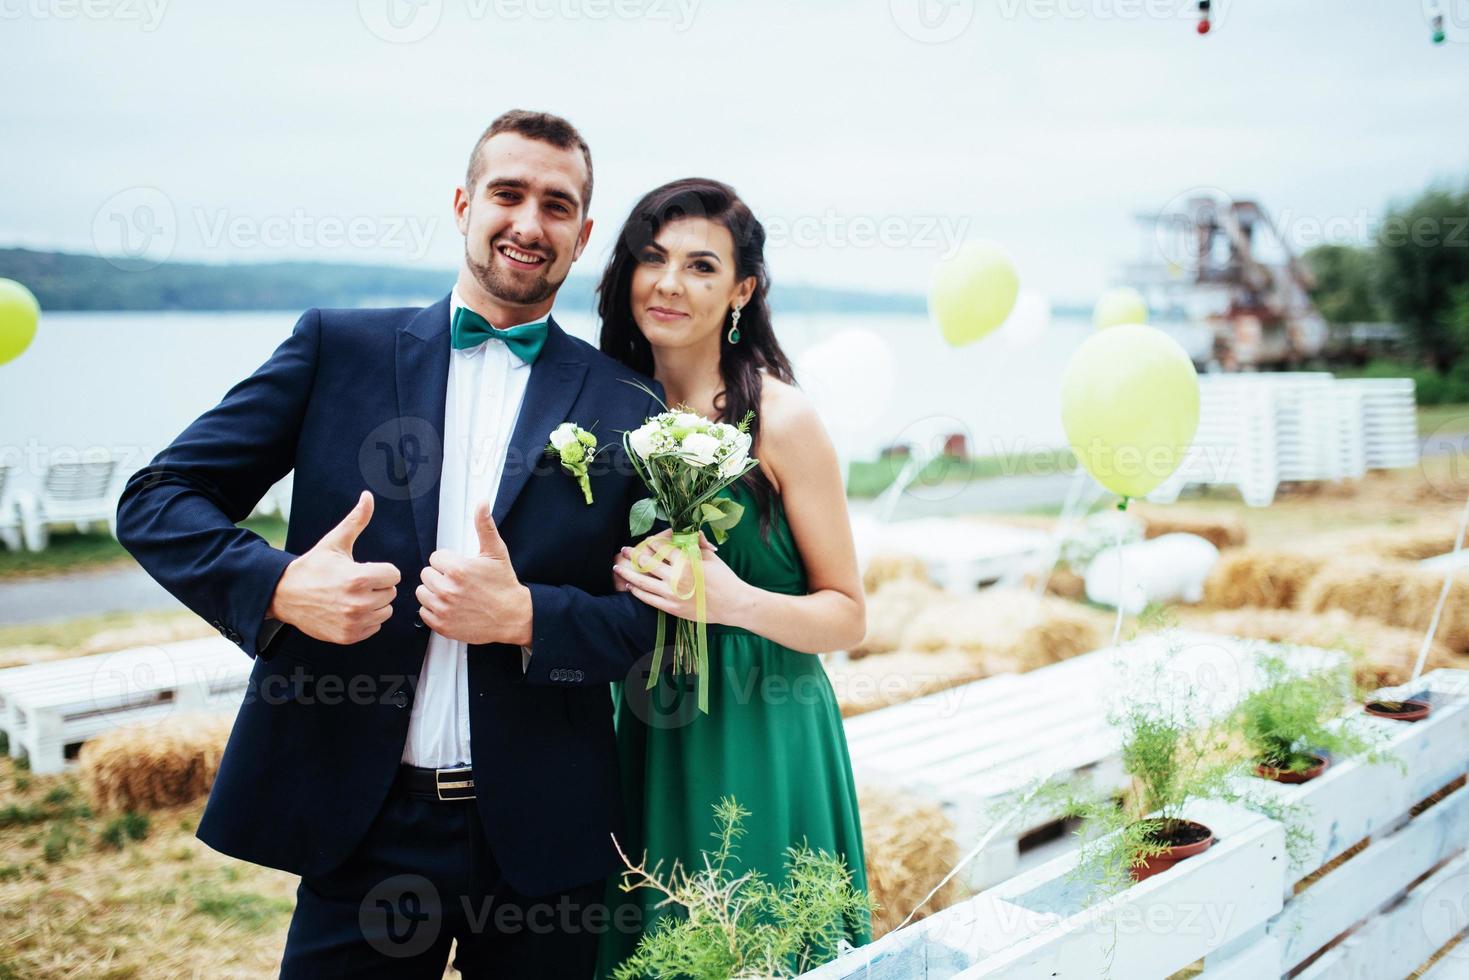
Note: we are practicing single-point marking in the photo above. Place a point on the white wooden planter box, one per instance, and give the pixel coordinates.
(48, 706)
(1374, 915)
(968, 746)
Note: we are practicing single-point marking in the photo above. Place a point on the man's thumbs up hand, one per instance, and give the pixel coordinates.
(476, 599)
(328, 595)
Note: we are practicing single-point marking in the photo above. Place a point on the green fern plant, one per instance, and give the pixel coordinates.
(726, 925)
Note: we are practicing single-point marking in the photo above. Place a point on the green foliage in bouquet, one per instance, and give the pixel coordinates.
(730, 925)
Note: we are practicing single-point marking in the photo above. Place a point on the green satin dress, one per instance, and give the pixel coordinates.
(772, 739)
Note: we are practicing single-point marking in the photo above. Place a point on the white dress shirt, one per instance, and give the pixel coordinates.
(486, 386)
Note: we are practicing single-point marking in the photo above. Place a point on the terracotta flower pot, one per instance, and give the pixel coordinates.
(1185, 839)
(1289, 775)
(1411, 709)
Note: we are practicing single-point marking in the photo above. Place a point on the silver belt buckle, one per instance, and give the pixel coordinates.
(455, 779)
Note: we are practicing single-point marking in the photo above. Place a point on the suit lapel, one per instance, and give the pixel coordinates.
(423, 381)
(555, 380)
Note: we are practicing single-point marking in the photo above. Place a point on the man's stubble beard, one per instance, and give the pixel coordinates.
(507, 289)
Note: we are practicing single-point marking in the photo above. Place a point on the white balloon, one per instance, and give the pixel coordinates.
(849, 377)
(1168, 568)
(1030, 319)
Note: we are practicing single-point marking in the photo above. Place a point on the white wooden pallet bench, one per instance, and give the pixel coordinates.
(1390, 888)
(47, 708)
(959, 554)
(968, 746)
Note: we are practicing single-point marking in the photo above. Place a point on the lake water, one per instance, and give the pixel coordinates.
(130, 382)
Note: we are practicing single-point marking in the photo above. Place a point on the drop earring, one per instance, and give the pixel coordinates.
(734, 328)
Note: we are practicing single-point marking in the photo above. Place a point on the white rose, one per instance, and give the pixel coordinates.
(642, 439)
(688, 420)
(733, 463)
(699, 448)
(563, 434)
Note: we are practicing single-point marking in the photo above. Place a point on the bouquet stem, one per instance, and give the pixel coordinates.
(690, 638)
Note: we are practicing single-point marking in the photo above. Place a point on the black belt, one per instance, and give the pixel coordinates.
(445, 785)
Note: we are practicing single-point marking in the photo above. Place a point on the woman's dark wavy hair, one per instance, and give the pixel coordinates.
(739, 364)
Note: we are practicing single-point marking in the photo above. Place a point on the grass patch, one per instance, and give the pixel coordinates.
(70, 634)
(868, 478)
(129, 826)
(1444, 418)
(249, 910)
(74, 551)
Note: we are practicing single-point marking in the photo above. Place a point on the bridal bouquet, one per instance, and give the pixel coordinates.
(684, 460)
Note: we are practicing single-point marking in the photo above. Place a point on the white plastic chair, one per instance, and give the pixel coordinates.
(10, 534)
(73, 493)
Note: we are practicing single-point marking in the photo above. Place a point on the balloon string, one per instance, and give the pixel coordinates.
(1443, 594)
(1117, 627)
(989, 835)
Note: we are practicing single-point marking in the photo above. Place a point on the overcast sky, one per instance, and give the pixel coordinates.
(870, 135)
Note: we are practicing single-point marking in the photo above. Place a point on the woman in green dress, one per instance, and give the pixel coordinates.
(683, 299)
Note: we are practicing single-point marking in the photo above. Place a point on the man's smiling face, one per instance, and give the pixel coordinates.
(524, 222)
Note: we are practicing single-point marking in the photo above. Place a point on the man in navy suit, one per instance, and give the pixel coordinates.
(466, 598)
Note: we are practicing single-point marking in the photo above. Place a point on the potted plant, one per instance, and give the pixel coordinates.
(1404, 709)
(1285, 720)
(1177, 748)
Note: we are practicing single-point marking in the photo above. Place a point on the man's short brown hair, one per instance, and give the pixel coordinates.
(541, 126)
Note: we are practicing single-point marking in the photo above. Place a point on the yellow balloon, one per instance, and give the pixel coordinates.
(19, 313)
(1121, 305)
(1130, 406)
(973, 291)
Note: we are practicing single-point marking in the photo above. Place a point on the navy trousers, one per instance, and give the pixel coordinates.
(423, 877)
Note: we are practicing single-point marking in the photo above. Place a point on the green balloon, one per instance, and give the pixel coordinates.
(973, 292)
(1130, 406)
(19, 313)
(1121, 305)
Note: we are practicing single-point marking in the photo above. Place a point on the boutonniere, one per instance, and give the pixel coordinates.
(575, 447)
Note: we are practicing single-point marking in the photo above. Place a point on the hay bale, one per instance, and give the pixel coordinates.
(1384, 655)
(889, 611)
(909, 845)
(1012, 623)
(1220, 530)
(149, 766)
(891, 567)
(1269, 579)
(1061, 582)
(31, 653)
(1394, 592)
(885, 679)
(146, 635)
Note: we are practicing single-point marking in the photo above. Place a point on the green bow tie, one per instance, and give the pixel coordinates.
(469, 329)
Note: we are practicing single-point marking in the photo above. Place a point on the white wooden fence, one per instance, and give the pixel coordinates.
(1386, 886)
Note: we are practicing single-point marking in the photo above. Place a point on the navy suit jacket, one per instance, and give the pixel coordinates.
(353, 400)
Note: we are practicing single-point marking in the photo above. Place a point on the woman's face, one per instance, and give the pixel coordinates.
(684, 284)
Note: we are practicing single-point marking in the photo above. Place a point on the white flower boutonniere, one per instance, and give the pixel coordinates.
(576, 448)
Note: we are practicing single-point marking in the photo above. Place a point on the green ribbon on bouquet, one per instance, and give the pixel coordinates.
(694, 634)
